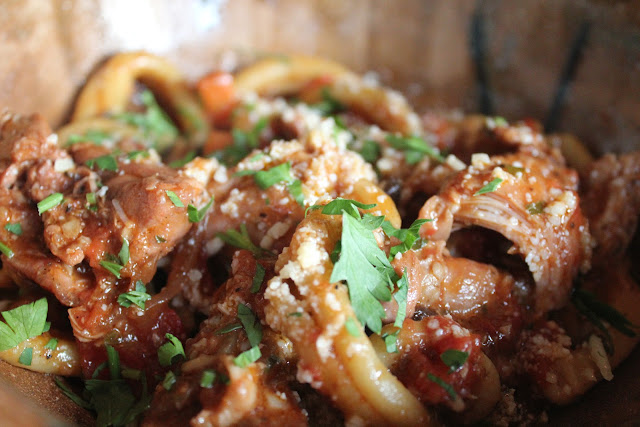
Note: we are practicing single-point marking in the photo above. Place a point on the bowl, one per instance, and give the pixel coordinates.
(572, 65)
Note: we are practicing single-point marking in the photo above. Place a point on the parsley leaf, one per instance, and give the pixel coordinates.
(329, 105)
(442, 383)
(6, 250)
(251, 324)
(112, 267)
(338, 205)
(266, 178)
(240, 239)
(414, 148)
(170, 351)
(597, 311)
(246, 358)
(106, 162)
(71, 395)
(195, 214)
(92, 135)
(257, 278)
(137, 297)
(183, 161)
(154, 122)
(454, 359)
(209, 377)
(243, 143)
(362, 265)
(535, 208)
(123, 255)
(50, 202)
(229, 328)
(490, 187)
(174, 199)
(15, 228)
(295, 188)
(52, 344)
(23, 323)
(391, 341)
(26, 356)
(352, 327)
(408, 237)
(169, 380)
(370, 151)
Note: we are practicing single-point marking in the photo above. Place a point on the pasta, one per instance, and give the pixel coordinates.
(294, 244)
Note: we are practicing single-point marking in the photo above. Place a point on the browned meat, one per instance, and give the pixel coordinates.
(611, 201)
(534, 205)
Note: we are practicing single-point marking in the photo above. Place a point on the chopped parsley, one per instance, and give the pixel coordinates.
(106, 162)
(243, 143)
(170, 351)
(240, 239)
(174, 199)
(50, 202)
(251, 324)
(160, 239)
(489, 187)
(229, 328)
(597, 311)
(52, 344)
(391, 341)
(409, 237)
(15, 228)
(112, 267)
(183, 161)
(71, 395)
(329, 105)
(352, 327)
(414, 148)
(92, 202)
(23, 323)
(266, 178)
(442, 383)
(208, 378)
(513, 170)
(123, 255)
(6, 250)
(169, 380)
(338, 205)
(92, 135)
(454, 359)
(535, 208)
(154, 122)
(370, 151)
(257, 279)
(137, 297)
(26, 356)
(246, 358)
(194, 214)
(132, 155)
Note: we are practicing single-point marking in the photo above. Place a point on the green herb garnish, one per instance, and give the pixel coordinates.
(23, 323)
(50, 202)
(137, 297)
(489, 187)
(257, 279)
(15, 228)
(170, 351)
(414, 148)
(454, 359)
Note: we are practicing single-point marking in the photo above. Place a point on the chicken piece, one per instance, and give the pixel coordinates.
(249, 395)
(532, 201)
(611, 202)
(462, 288)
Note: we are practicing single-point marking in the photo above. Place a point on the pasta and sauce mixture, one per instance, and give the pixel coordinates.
(293, 244)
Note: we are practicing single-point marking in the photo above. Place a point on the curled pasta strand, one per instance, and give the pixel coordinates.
(64, 360)
(285, 75)
(110, 89)
(333, 361)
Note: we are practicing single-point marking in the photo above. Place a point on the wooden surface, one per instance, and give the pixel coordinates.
(423, 47)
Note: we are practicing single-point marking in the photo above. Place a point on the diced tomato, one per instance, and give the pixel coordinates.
(217, 93)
